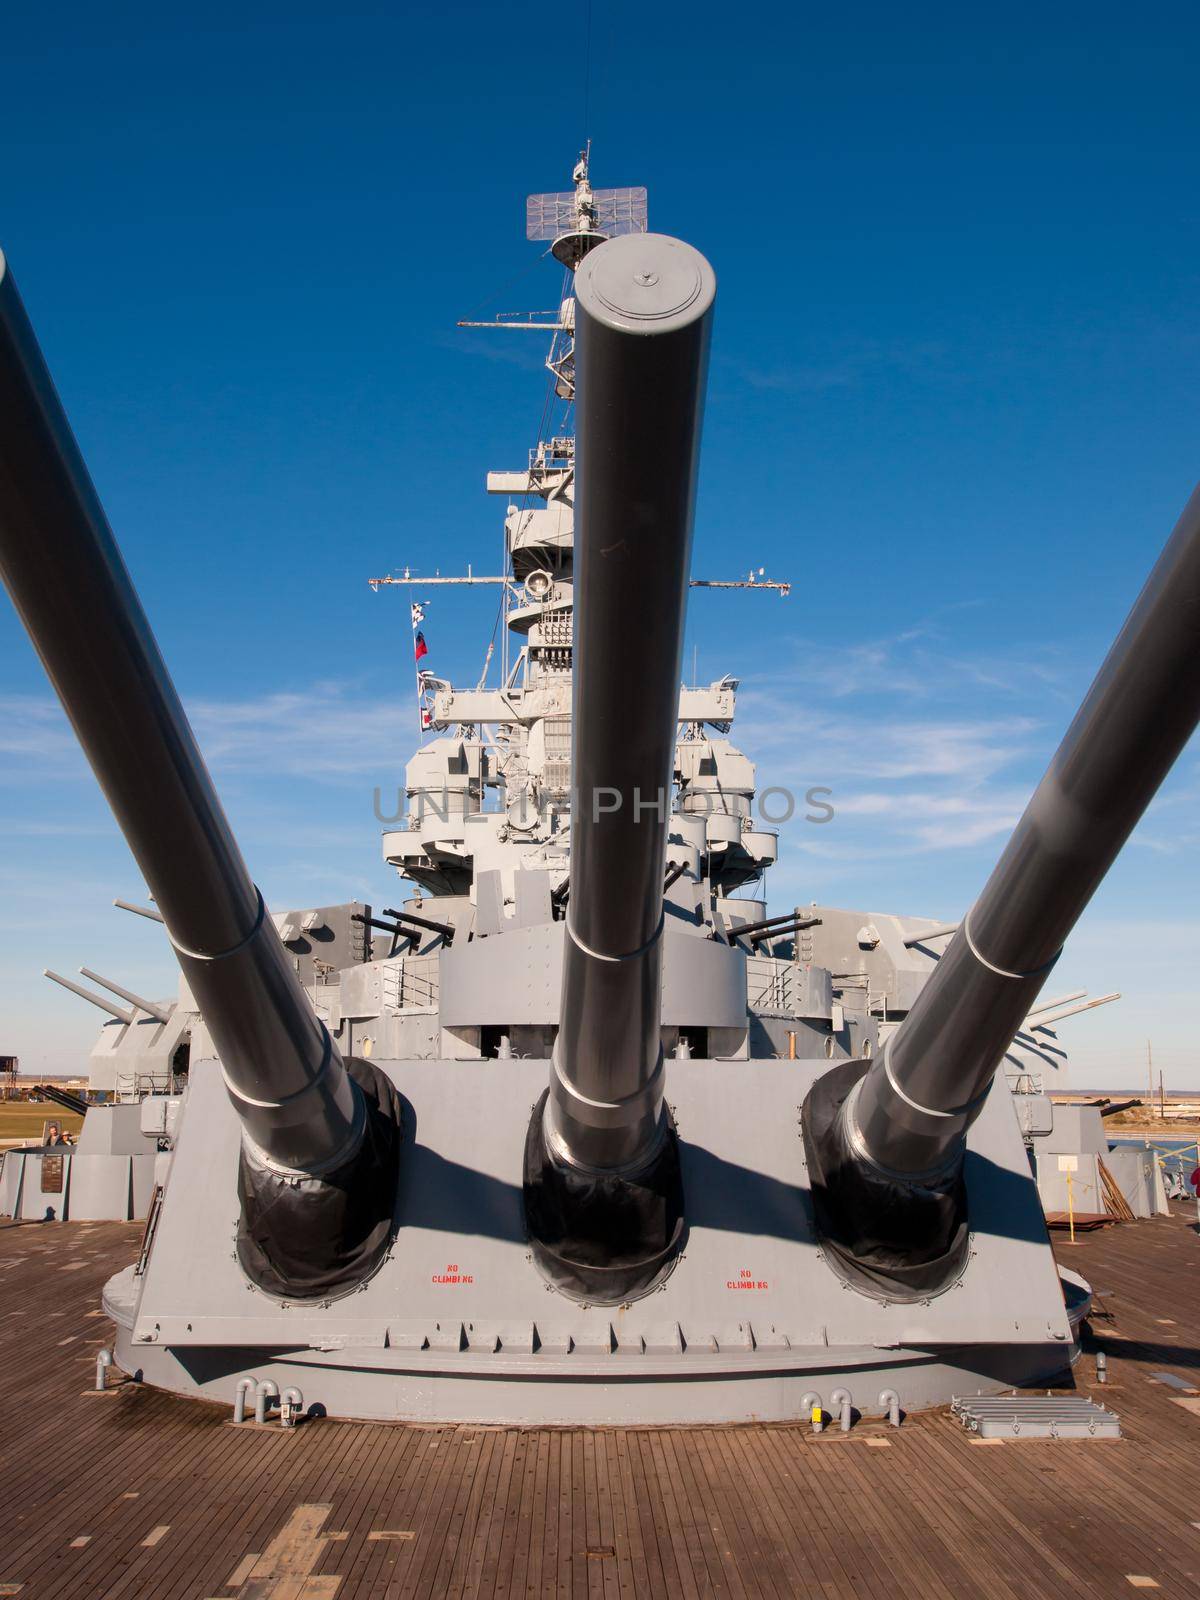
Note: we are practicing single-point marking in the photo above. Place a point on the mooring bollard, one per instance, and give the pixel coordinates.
(811, 1404)
(1101, 1367)
(291, 1404)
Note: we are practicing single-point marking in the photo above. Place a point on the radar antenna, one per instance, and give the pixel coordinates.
(579, 219)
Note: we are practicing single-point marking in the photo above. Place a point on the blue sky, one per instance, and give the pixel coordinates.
(953, 399)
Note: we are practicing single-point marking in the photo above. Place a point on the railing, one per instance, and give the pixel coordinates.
(411, 984)
(777, 985)
(136, 1085)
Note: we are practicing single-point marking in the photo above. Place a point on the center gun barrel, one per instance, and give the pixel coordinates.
(603, 1141)
(303, 1114)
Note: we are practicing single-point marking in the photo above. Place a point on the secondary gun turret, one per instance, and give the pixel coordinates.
(886, 1141)
(603, 1198)
(320, 1135)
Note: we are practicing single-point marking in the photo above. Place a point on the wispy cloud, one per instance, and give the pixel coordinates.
(24, 828)
(847, 366)
(36, 740)
(935, 821)
(875, 746)
(893, 727)
(327, 731)
(916, 664)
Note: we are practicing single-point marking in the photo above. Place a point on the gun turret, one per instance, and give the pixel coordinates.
(320, 1136)
(602, 1192)
(885, 1140)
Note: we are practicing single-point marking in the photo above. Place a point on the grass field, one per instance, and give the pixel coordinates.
(21, 1120)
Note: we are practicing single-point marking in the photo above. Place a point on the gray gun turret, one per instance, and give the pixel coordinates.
(602, 1190)
(886, 1143)
(320, 1135)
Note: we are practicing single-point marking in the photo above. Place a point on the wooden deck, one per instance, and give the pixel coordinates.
(138, 1494)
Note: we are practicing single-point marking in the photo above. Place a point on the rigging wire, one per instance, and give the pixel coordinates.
(587, 74)
(504, 287)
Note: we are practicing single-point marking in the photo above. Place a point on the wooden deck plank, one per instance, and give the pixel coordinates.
(756, 1511)
(499, 1579)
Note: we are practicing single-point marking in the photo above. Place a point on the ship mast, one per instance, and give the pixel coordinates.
(514, 736)
(574, 221)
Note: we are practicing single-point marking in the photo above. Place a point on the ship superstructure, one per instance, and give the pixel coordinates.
(485, 834)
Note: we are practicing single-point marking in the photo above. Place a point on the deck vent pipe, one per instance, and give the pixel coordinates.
(265, 1391)
(246, 1387)
(889, 1404)
(811, 1407)
(841, 1401)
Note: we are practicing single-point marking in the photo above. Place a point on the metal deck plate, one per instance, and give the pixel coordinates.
(1033, 1416)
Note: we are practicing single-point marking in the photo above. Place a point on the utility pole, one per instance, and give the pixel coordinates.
(1162, 1099)
(1150, 1071)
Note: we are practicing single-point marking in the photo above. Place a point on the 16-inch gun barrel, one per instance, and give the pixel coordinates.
(71, 588)
(301, 1110)
(602, 1191)
(642, 333)
(905, 1120)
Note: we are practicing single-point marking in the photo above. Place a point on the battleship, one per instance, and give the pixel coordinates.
(575, 1134)
(482, 833)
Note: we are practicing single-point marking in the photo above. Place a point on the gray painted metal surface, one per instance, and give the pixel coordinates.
(458, 1322)
(1030, 1416)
